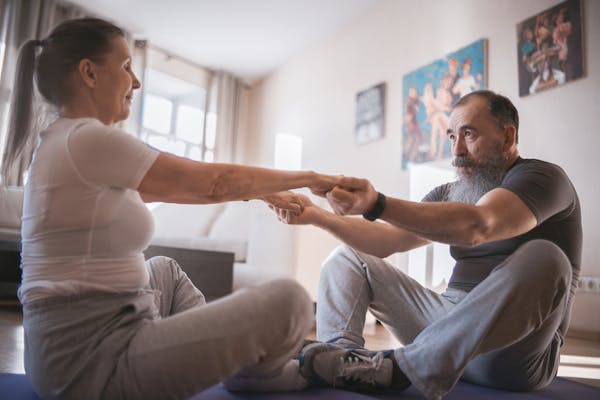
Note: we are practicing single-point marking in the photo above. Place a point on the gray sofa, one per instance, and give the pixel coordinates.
(246, 234)
(11, 208)
(262, 246)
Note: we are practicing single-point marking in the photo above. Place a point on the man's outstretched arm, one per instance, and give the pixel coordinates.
(376, 238)
(499, 214)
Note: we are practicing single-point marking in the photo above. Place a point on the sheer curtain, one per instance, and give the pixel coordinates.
(227, 91)
(23, 20)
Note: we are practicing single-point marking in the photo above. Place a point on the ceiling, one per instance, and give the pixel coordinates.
(249, 38)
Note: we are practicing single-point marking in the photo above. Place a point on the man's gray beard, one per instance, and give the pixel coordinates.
(469, 189)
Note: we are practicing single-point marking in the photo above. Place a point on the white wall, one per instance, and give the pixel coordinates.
(313, 96)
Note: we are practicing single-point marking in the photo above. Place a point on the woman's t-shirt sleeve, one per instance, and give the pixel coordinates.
(109, 156)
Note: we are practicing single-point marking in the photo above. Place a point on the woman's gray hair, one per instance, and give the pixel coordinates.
(62, 50)
(19, 125)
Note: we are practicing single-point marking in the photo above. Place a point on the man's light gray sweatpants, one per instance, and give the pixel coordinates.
(160, 343)
(502, 334)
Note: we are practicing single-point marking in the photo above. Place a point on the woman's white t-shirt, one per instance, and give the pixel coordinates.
(84, 224)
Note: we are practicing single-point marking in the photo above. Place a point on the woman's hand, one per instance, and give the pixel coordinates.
(287, 201)
(307, 214)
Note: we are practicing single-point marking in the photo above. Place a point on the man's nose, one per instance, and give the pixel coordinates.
(459, 147)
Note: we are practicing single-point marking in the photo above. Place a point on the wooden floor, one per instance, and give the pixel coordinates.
(580, 359)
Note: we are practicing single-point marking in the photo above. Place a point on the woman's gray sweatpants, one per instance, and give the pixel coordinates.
(160, 343)
(503, 333)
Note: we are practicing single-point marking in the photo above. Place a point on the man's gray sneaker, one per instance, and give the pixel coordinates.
(333, 365)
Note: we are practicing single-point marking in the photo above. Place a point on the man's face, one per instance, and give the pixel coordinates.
(477, 144)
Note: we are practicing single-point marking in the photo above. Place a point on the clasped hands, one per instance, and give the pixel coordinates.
(345, 195)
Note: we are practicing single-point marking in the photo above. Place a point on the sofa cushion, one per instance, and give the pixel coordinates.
(227, 245)
(235, 223)
(184, 220)
(11, 207)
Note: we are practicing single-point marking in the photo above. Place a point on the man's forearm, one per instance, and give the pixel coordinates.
(446, 222)
(379, 239)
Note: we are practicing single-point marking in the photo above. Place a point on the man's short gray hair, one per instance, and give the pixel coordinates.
(499, 106)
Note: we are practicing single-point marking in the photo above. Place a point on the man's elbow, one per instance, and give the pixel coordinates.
(384, 253)
(478, 234)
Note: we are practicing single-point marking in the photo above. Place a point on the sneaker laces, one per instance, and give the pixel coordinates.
(360, 368)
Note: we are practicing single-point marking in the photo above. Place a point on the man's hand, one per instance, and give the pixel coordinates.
(307, 215)
(324, 184)
(352, 196)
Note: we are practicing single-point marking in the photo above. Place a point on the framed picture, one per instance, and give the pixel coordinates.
(428, 96)
(550, 48)
(370, 113)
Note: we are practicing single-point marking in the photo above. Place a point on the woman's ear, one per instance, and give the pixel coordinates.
(87, 72)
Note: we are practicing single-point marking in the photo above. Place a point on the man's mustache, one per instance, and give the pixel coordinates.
(462, 161)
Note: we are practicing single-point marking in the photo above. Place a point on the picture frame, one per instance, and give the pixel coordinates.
(370, 114)
(428, 95)
(550, 48)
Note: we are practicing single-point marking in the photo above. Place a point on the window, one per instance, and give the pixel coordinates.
(157, 113)
(174, 107)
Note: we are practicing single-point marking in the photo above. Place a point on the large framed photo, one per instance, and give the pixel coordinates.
(550, 48)
(428, 96)
(370, 114)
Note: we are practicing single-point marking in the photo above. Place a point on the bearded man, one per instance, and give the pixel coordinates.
(514, 229)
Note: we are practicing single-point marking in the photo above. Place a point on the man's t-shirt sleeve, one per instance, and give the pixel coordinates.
(439, 193)
(543, 187)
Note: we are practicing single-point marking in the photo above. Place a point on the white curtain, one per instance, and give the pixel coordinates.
(226, 95)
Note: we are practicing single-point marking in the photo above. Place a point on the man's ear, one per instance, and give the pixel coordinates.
(510, 138)
(87, 72)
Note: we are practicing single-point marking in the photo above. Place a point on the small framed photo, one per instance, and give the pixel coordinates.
(370, 114)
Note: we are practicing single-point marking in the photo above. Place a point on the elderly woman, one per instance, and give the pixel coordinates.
(99, 321)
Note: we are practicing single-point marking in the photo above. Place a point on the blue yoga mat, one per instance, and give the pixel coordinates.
(17, 387)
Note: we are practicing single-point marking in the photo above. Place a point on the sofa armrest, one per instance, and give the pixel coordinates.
(209, 271)
(11, 207)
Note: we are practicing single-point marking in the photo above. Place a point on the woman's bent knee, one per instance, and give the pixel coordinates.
(286, 300)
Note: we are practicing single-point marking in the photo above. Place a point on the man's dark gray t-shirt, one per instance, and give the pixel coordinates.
(550, 195)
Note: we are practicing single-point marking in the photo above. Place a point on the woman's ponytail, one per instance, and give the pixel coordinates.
(19, 131)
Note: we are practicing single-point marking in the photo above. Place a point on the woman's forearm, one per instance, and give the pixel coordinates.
(180, 180)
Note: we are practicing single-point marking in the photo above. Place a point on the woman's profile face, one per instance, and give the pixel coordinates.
(115, 83)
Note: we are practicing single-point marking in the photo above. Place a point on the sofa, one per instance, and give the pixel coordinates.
(262, 247)
(11, 209)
